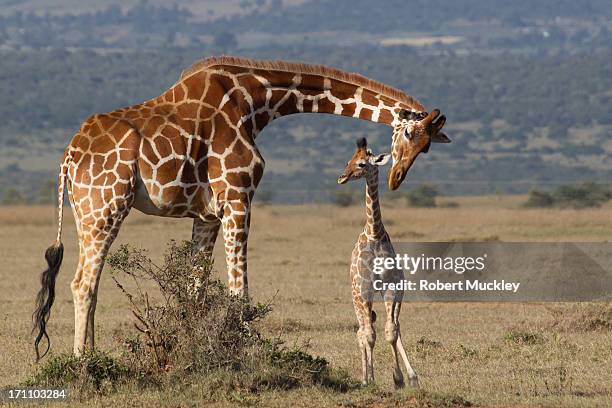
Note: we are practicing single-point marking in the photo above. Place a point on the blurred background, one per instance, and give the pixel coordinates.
(526, 85)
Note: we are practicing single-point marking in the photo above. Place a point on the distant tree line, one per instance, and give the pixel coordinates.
(577, 196)
(57, 89)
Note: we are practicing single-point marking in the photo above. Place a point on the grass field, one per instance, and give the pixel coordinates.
(490, 354)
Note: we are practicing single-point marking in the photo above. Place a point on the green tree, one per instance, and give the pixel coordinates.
(12, 196)
(423, 196)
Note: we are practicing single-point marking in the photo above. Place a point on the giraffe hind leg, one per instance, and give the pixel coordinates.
(391, 335)
(95, 240)
(366, 336)
(101, 187)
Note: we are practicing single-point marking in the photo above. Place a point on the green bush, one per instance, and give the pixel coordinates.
(584, 195)
(539, 199)
(423, 196)
(93, 371)
(344, 198)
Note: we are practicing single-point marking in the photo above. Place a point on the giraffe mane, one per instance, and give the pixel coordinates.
(303, 68)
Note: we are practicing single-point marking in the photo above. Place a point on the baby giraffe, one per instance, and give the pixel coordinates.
(374, 242)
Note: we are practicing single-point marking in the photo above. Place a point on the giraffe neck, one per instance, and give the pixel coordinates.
(281, 95)
(374, 226)
(262, 95)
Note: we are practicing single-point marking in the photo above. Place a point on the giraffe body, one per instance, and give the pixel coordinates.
(374, 242)
(191, 152)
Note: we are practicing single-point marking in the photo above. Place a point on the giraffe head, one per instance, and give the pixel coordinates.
(362, 162)
(412, 135)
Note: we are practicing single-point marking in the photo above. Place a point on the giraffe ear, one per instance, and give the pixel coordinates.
(380, 160)
(440, 138)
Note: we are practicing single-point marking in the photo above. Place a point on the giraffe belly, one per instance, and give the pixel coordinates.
(198, 205)
(143, 201)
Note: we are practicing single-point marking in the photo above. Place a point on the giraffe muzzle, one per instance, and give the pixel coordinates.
(398, 172)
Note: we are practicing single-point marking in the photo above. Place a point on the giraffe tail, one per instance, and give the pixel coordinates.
(53, 255)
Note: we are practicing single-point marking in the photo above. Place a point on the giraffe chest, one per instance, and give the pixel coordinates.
(363, 263)
(366, 250)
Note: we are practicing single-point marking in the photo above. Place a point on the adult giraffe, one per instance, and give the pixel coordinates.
(191, 152)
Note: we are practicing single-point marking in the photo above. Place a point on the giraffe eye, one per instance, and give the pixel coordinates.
(407, 133)
(361, 165)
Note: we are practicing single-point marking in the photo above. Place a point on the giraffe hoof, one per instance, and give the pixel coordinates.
(398, 379)
(414, 382)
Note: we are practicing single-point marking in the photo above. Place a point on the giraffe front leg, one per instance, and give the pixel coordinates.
(236, 221)
(204, 234)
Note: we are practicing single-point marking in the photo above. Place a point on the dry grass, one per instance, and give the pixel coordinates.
(299, 257)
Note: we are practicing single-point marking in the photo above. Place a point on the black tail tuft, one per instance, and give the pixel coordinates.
(46, 296)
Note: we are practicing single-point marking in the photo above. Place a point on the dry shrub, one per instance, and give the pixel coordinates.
(195, 327)
(582, 317)
(194, 324)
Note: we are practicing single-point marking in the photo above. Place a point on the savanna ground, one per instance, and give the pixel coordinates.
(490, 354)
